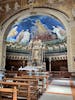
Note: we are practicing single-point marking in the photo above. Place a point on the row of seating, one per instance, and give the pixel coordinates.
(29, 92)
(7, 88)
(60, 74)
(25, 88)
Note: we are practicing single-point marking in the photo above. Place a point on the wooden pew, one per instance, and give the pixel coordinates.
(10, 74)
(33, 85)
(9, 90)
(15, 85)
(40, 77)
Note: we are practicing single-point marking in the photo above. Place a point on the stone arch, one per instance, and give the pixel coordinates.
(25, 13)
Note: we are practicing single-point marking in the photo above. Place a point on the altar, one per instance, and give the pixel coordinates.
(33, 69)
(29, 68)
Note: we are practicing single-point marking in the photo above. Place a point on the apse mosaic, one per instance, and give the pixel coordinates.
(46, 28)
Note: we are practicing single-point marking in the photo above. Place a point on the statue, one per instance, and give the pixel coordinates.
(7, 8)
(36, 47)
(16, 6)
(37, 44)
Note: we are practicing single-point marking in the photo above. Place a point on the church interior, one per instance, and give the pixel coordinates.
(37, 49)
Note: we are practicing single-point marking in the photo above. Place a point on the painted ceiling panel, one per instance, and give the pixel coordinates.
(46, 28)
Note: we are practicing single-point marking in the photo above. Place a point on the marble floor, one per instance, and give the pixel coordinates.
(60, 89)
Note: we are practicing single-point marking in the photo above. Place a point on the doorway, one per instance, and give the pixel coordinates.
(47, 64)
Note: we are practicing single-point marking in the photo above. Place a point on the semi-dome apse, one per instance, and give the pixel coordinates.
(46, 28)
